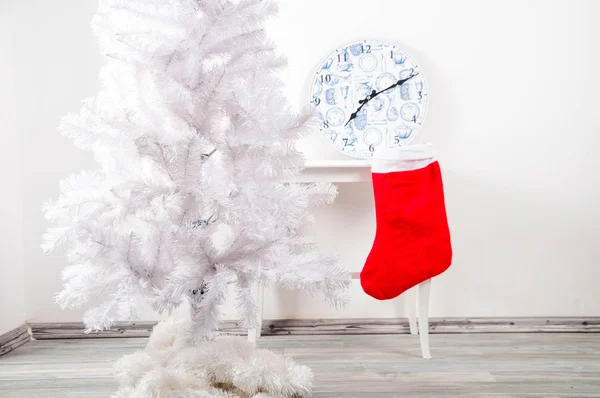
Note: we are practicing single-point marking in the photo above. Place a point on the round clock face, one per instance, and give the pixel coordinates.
(367, 94)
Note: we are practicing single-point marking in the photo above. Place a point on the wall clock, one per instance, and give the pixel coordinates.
(366, 94)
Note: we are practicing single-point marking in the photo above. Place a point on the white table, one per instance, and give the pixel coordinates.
(417, 298)
(417, 303)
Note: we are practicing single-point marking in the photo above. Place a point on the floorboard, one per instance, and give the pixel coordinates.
(379, 366)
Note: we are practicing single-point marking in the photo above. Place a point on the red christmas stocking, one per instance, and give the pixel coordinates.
(412, 241)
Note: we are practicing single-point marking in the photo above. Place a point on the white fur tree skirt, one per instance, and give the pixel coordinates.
(229, 367)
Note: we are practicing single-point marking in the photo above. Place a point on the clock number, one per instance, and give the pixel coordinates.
(420, 95)
(396, 140)
(345, 141)
(326, 78)
(414, 119)
(366, 48)
(325, 124)
(371, 148)
(343, 57)
(317, 100)
(392, 54)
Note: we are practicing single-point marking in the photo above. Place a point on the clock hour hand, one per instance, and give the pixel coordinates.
(362, 103)
(375, 94)
(353, 115)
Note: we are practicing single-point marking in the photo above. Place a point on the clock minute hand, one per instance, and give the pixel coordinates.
(398, 83)
(375, 94)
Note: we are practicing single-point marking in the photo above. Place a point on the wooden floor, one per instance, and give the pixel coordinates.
(384, 366)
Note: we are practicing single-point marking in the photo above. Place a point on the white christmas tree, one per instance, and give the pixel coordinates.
(196, 145)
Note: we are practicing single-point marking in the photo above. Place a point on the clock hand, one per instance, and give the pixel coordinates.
(398, 83)
(375, 94)
(362, 103)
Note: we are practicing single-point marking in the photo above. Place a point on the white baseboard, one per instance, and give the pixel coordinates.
(15, 338)
(277, 327)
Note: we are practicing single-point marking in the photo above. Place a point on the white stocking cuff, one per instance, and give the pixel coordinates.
(409, 157)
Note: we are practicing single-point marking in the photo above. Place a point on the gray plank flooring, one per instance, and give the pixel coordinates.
(365, 366)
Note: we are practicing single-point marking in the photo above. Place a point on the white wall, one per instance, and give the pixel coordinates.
(513, 113)
(12, 308)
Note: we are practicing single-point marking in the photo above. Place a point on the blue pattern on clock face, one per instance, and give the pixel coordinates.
(352, 73)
